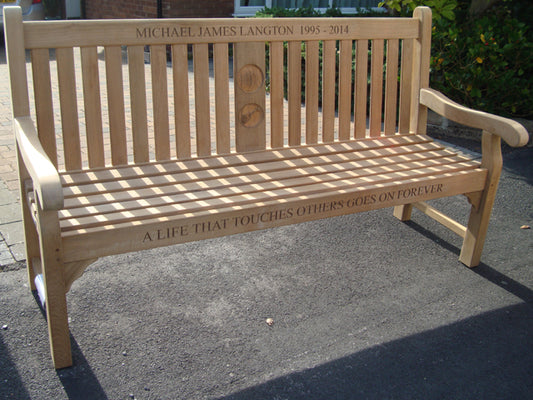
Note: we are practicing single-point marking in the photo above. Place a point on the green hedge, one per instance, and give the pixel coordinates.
(482, 61)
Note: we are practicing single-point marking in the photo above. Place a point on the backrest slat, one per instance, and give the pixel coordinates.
(405, 86)
(345, 88)
(361, 87)
(328, 90)
(276, 94)
(311, 91)
(134, 119)
(180, 77)
(295, 92)
(391, 87)
(69, 108)
(222, 109)
(376, 87)
(115, 100)
(92, 106)
(158, 63)
(201, 97)
(139, 120)
(42, 94)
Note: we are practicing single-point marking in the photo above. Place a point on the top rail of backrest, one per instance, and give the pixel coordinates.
(57, 34)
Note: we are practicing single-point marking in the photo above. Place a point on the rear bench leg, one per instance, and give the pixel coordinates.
(403, 212)
(478, 222)
(54, 286)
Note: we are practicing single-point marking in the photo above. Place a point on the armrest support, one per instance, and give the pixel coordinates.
(45, 177)
(511, 131)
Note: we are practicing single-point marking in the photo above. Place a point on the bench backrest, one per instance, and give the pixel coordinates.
(170, 107)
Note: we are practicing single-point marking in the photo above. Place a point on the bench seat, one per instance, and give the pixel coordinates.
(156, 204)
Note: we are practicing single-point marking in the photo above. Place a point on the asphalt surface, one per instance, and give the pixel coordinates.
(364, 307)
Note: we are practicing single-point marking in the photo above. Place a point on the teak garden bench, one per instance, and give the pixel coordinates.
(186, 161)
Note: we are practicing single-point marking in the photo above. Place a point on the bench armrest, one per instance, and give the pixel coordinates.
(511, 131)
(44, 174)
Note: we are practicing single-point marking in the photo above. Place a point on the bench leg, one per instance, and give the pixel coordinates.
(55, 290)
(403, 212)
(478, 222)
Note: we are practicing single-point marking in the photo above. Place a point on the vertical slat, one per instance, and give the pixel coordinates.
(139, 119)
(406, 76)
(345, 89)
(250, 124)
(201, 94)
(115, 100)
(158, 61)
(276, 94)
(180, 76)
(361, 87)
(44, 109)
(93, 107)
(295, 92)
(221, 66)
(311, 91)
(328, 90)
(391, 86)
(69, 108)
(376, 87)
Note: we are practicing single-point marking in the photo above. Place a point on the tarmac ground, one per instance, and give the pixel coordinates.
(363, 307)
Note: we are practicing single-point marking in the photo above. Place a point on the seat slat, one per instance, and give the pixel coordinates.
(124, 172)
(201, 189)
(252, 172)
(281, 194)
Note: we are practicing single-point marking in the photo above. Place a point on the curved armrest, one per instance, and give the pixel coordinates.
(511, 131)
(45, 177)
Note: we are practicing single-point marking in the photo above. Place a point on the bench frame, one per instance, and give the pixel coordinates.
(51, 255)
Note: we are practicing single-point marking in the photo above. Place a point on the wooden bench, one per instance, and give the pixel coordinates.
(166, 159)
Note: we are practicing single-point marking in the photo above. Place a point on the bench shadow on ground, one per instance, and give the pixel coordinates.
(78, 381)
(488, 356)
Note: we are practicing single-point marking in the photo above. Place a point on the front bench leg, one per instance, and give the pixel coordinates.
(478, 222)
(54, 285)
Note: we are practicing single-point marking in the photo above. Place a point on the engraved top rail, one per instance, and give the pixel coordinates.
(54, 34)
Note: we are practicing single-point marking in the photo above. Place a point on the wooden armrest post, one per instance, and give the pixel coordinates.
(31, 241)
(479, 217)
(54, 285)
